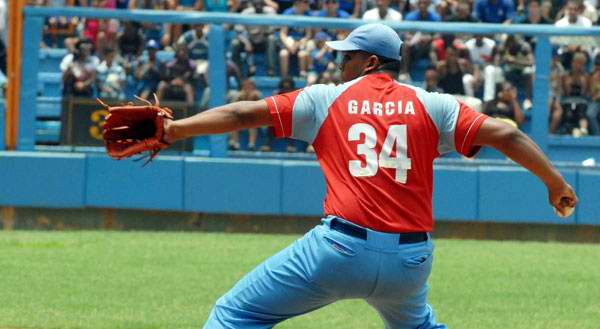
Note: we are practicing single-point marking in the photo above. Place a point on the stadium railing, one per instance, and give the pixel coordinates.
(35, 16)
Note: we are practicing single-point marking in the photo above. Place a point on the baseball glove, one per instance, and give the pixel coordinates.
(134, 129)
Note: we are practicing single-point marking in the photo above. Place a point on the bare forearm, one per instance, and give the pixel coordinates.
(226, 118)
(521, 149)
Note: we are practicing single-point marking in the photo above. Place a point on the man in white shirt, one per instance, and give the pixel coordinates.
(382, 11)
(573, 17)
(480, 50)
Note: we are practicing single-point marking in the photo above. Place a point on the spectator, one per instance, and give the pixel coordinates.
(57, 29)
(248, 93)
(534, 15)
(79, 70)
(382, 12)
(557, 71)
(452, 73)
(431, 81)
(122, 4)
(196, 43)
(594, 107)
(110, 77)
(352, 6)
(294, 41)
(156, 31)
(130, 41)
(480, 50)
(575, 87)
(462, 14)
(321, 58)
(331, 8)
(494, 11)
(573, 16)
(177, 81)
(252, 39)
(505, 106)
(517, 63)
(422, 13)
(148, 71)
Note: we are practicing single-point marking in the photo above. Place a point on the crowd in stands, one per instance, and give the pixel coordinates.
(492, 73)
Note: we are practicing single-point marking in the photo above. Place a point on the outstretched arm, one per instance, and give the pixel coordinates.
(520, 148)
(226, 118)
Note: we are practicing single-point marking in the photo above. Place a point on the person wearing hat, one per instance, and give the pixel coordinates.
(376, 140)
(148, 71)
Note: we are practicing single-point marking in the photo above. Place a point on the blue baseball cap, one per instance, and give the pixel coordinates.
(375, 38)
(152, 44)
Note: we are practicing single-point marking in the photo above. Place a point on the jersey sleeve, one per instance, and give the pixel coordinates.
(467, 125)
(299, 114)
(457, 124)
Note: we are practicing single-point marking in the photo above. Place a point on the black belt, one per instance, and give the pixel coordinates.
(361, 233)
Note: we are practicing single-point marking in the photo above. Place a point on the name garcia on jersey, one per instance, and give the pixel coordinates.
(380, 109)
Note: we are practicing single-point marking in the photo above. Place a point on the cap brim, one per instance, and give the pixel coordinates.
(342, 45)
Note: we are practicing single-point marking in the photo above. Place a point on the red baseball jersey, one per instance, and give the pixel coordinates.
(376, 140)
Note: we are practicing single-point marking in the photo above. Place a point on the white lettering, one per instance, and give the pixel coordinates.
(366, 109)
(389, 108)
(378, 109)
(352, 106)
(410, 109)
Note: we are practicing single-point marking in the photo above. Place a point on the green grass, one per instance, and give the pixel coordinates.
(170, 280)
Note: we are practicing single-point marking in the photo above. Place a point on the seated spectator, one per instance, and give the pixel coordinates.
(462, 14)
(148, 71)
(330, 8)
(57, 29)
(248, 93)
(321, 58)
(130, 41)
(423, 13)
(110, 77)
(594, 107)
(505, 106)
(557, 71)
(79, 70)
(196, 43)
(177, 83)
(480, 50)
(431, 81)
(494, 11)
(575, 86)
(517, 63)
(573, 44)
(453, 73)
(353, 7)
(156, 31)
(255, 39)
(382, 12)
(294, 41)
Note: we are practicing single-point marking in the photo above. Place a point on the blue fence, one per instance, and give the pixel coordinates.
(473, 191)
(34, 18)
(479, 191)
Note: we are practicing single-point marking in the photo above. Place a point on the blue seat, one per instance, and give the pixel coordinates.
(48, 107)
(50, 84)
(47, 132)
(50, 59)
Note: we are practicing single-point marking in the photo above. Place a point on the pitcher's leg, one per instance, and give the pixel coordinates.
(276, 290)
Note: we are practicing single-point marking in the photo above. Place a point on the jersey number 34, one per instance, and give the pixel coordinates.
(396, 135)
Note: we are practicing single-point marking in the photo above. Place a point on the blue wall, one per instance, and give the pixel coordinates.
(469, 191)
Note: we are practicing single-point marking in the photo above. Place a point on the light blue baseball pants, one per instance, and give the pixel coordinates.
(325, 266)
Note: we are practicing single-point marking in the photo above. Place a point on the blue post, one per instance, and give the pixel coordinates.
(541, 92)
(32, 36)
(217, 77)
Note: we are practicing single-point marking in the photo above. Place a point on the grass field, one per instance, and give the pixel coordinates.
(170, 280)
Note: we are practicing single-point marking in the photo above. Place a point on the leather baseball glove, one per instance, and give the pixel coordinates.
(134, 129)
